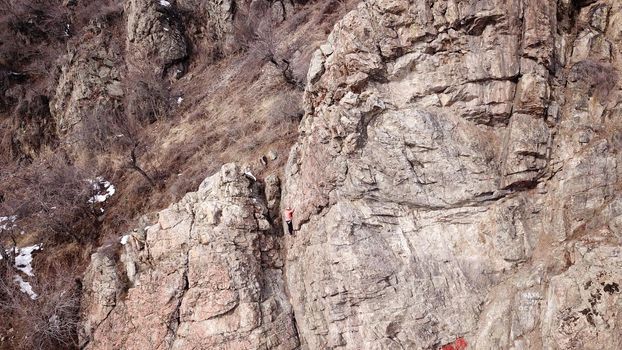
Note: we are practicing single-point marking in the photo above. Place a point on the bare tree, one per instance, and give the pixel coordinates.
(255, 31)
(148, 98)
(128, 129)
(134, 165)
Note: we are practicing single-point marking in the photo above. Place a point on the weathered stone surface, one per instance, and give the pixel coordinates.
(154, 33)
(281, 10)
(93, 71)
(456, 178)
(97, 75)
(273, 191)
(101, 296)
(205, 275)
(213, 26)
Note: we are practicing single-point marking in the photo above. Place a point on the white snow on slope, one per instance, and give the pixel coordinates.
(25, 287)
(124, 239)
(23, 260)
(102, 195)
(250, 175)
(165, 3)
(6, 222)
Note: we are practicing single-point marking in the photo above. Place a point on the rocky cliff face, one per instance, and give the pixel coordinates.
(97, 73)
(455, 182)
(91, 71)
(204, 273)
(456, 178)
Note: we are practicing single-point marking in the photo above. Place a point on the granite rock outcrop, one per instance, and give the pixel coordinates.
(204, 273)
(456, 177)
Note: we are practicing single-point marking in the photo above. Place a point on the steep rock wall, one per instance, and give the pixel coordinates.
(456, 178)
(155, 38)
(203, 274)
(102, 70)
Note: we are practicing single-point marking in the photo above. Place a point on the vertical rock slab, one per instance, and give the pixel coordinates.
(213, 25)
(92, 71)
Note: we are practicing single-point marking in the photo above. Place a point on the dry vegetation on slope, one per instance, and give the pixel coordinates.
(238, 100)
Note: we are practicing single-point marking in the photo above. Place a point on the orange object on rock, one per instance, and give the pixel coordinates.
(288, 214)
(459, 344)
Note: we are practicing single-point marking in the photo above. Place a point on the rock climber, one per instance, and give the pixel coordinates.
(288, 215)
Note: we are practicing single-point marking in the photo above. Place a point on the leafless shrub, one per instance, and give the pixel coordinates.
(298, 19)
(50, 196)
(332, 7)
(254, 30)
(47, 197)
(97, 129)
(47, 322)
(106, 12)
(33, 34)
(33, 128)
(7, 79)
(286, 109)
(36, 20)
(129, 142)
(148, 98)
(600, 78)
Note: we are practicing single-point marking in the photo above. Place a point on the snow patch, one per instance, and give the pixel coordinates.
(180, 100)
(124, 239)
(165, 3)
(103, 188)
(6, 222)
(23, 260)
(25, 287)
(250, 175)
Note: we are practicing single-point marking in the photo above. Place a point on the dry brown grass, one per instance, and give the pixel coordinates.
(235, 109)
(33, 35)
(50, 200)
(48, 322)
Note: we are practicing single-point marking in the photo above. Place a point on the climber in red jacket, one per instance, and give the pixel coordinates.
(288, 215)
